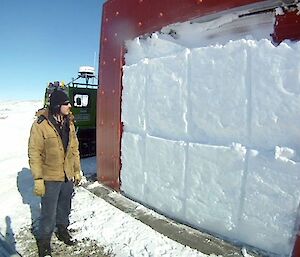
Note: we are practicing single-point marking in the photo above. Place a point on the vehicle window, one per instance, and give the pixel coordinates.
(81, 100)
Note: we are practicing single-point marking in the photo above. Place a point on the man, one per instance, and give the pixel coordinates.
(55, 165)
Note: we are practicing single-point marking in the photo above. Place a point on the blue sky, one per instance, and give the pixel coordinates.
(43, 41)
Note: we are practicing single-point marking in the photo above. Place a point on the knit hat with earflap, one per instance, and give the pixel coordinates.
(57, 98)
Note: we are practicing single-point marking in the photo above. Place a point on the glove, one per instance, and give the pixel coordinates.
(77, 179)
(39, 187)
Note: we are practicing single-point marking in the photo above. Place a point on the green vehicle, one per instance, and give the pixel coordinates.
(83, 97)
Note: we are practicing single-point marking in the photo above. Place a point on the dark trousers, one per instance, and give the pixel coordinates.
(55, 207)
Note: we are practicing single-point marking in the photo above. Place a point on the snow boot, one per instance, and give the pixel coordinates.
(63, 234)
(44, 248)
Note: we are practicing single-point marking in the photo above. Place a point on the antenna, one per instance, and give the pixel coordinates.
(94, 66)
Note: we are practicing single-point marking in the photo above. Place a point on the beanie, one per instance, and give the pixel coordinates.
(57, 98)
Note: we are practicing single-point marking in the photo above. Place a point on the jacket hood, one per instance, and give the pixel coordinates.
(46, 112)
(42, 112)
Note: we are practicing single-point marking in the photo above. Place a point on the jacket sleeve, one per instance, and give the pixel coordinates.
(75, 149)
(35, 151)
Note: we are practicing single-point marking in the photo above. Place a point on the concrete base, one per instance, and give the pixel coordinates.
(178, 232)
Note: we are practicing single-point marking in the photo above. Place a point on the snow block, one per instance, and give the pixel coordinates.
(132, 175)
(165, 168)
(218, 94)
(272, 196)
(276, 95)
(133, 109)
(185, 112)
(213, 187)
(166, 97)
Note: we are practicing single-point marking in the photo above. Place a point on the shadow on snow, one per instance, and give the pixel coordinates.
(25, 186)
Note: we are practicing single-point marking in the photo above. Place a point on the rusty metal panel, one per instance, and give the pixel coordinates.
(287, 26)
(123, 20)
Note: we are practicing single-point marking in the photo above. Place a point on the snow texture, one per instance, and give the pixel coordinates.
(211, 135)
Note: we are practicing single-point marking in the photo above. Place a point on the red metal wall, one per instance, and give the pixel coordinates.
(124, 20)
(287, 26)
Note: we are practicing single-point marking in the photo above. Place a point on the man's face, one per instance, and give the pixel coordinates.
(65, 109)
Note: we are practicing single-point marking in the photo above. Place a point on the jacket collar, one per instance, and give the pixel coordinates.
(46, 113)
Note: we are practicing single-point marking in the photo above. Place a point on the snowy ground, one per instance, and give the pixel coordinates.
(96, 224)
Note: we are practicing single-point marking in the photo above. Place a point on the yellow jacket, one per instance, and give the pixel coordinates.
(47, 158)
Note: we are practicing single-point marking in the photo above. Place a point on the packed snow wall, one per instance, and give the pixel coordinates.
(211, 129)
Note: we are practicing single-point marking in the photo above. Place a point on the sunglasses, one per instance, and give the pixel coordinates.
(66, 103)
